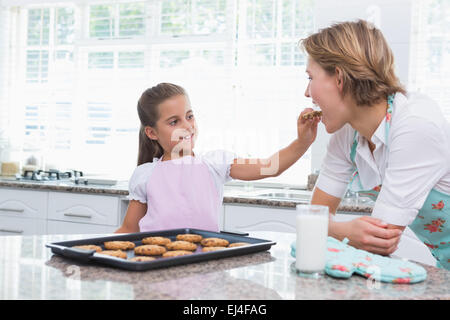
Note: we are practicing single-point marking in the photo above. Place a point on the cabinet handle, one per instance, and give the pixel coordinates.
(78, 215)
(11, 231)
(12, 210)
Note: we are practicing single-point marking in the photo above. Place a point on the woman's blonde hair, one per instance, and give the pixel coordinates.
(361, 53)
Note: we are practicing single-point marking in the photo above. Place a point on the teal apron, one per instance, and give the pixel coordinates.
(431, 224)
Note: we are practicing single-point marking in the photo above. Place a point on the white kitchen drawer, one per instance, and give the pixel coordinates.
(252, 218)
(83, 208)
(61, 227)
(23, 203)
(22, 226)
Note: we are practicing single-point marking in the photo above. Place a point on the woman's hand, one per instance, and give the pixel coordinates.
(307, 128)
(369, 234)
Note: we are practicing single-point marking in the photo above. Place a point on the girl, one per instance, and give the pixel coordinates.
(382, 135)
(172, 187)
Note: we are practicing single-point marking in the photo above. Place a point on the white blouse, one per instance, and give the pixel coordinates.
(218, 162)
(414, 160)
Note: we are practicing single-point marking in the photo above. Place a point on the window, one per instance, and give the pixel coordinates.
(117, 20)
(430, 51)
(72, 72)
(184, 17)
(84, 65)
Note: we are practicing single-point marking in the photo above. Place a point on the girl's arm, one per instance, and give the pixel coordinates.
(255, 169)
(135, 212)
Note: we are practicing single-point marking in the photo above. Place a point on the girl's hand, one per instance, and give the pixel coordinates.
(307, 128)
(372, 235)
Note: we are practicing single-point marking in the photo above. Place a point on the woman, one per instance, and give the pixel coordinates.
(387, 144)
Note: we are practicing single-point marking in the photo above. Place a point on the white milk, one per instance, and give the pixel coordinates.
(312, 233)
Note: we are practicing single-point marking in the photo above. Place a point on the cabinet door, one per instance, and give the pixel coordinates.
(83, 208)
(252, 218)
(23, 203)
(12, 226)
(61, 227)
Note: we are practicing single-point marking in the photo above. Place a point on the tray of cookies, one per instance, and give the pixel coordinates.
(159, 249)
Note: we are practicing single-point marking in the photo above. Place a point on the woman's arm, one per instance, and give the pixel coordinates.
(364, 233)
(255, 169)
(135, 212)
(322, 198)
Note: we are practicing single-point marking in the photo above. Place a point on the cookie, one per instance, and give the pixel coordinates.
(115, 253)
(161, 241)
(181, 245)
(149, 250)
(142, 259)
(238, 244)
(189, 237)
(312, 114)
(176, 253)
(214, 242)
(89, 247)
(119, 245)
(209, 249)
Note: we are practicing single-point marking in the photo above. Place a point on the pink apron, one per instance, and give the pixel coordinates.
(181, 194)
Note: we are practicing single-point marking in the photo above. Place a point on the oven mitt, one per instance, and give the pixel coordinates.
(342, 260)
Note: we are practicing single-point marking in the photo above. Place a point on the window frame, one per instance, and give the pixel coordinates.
(84, 44)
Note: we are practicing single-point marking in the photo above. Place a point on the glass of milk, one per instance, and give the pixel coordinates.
(311, 246)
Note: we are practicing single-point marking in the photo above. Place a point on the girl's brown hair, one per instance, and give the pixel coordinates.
(362, 54)
(148, 112)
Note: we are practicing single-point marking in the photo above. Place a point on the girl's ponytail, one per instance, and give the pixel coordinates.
(148, 148)
(148, 112)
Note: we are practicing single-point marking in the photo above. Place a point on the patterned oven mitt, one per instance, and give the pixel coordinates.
(343, 260)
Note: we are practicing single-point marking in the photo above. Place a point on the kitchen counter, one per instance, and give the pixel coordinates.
(29, 270)
(232, 194)
(121, 188)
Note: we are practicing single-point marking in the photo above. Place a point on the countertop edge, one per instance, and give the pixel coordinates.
(227, 199)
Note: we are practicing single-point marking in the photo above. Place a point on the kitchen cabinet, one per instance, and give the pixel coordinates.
(21, 226)
(22, 212)
(23, 204)
(82, 208)
(259, 218)
(63, 227)
(32, 212)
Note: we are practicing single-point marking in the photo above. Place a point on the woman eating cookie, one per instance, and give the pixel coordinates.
(387, 143)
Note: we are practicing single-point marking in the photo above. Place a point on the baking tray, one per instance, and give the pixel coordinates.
(64, 248)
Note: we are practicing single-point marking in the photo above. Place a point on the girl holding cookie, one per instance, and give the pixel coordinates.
(173, 187)
(387, 144)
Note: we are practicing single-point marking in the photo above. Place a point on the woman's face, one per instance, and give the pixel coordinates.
(324, 90)
(176, 128)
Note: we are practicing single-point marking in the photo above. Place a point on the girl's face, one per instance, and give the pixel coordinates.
(176, 129)
(325, 91)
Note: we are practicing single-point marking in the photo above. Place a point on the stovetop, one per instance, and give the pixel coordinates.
(57, 176)
(50, 175)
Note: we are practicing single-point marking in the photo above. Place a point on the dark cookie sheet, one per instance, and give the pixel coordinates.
(64, 248)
